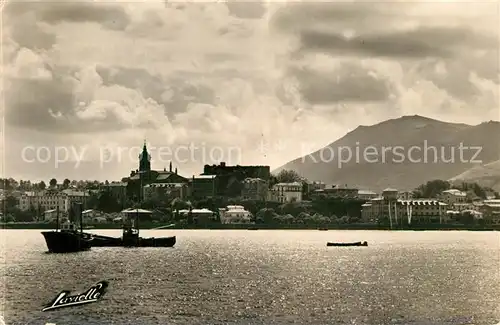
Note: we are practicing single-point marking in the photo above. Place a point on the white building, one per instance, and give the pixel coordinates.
(453, 196)
(50, 200)
(50, 215)
(93, 216)
(404, 211)
(235, 214)
(44, 200)
(366, 195)
(287, 192)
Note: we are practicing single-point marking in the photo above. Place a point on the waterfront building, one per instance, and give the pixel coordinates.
(367, 195)
(490, 210)
(286, 192)
(44, 200)
(453, 196)
(399, 211)
(340, 191)
(235, 214)
(405, 195)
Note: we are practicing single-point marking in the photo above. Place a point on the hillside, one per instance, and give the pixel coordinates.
(397, 168)
(485, 175)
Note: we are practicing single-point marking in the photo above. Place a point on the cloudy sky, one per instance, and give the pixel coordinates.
(256, 76)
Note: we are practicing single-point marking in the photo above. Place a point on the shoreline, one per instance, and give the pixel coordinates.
(149, 226)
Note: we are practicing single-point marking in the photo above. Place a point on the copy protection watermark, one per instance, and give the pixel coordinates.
(113, 155)
(416, 154)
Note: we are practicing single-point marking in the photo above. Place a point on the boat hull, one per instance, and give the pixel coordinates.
(104, 241)
(157, 242)
(347, 244)
(66, 242)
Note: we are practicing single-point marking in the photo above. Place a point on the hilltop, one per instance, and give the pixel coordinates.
(394, 168)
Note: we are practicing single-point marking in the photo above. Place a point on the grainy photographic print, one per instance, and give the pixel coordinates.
(250, 163)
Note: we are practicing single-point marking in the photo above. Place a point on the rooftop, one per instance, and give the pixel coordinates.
(455, 192)
(204, 176)
(364, 192)
(289, 184)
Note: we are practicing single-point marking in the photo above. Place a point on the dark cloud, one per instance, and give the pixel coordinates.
(246, 9)
(419, 43)
(296, 16)
(29, 103)
(110, 16)
(32, 36)
(350, 83)
(175, 93)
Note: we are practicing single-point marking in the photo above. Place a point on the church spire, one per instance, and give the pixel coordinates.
(144, 159)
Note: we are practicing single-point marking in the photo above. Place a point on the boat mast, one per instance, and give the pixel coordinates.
(390, 218)
(81, 218)
(57, 217)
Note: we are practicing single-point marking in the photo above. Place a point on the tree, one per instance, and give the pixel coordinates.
(66, 183)
(288, 176)
(42, 185)
(266, 215)
(108, 203)
(431, 189)
(53, 182)
(10, 204)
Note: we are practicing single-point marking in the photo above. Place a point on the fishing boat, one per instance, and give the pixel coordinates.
(348, 244)
(67, 238)
(130, 236)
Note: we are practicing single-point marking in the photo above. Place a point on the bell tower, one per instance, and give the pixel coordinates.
(144, 160)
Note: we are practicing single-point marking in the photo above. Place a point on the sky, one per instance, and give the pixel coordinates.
(86, 83)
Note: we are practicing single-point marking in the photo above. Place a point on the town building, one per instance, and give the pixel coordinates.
(315, 185)
(399, 211)
(340, 191)
(405, 195)
(235, 214)
(51, 215)
(490, 209)
(44, 200)
(230, 178)
(203, 186)
(198, 216)
(453, 196)
(118, 190)
(286, 192)
(367, 195)
(255, 189)
(166, 191)
(93, 216)
(145, 176)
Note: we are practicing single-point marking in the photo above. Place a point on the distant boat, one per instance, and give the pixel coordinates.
(348, 244)
(323, 229)
(130, 236)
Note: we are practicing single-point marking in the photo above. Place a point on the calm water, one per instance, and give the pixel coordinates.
(261, 277)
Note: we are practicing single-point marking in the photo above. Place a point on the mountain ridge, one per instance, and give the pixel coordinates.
(406, 132)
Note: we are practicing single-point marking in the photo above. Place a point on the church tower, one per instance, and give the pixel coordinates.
(144, 160)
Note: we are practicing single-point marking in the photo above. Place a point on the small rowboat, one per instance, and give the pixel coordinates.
(348, 244)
